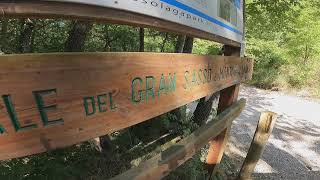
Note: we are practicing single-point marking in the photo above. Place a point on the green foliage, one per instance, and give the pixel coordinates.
(193, 169)
(206, 47)
(269, 59)
(270, 19)
(45, 41)
(74, 162)
(284, 39)
(107, 37)
(159, 41)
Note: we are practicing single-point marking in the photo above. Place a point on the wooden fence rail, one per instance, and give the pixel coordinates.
(163, 163)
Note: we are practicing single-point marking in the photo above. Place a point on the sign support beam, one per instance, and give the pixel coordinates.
(227, 97)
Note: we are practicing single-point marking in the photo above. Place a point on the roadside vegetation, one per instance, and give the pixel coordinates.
(284, 39)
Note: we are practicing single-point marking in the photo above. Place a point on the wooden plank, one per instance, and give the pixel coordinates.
(54, 100)
(260, 139)
(227, 97)
(163, 163)
(40, 9)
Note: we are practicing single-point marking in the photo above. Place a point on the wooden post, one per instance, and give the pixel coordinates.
(260, 138)
(227, 97)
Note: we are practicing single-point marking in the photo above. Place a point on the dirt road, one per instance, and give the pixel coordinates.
(293, 150)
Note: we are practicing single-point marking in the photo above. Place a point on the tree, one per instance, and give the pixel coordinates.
(141, 37)
(180, 43)
(270, 19)
(77, 36)
(188, 45)
(4, 31)
(165, 39)
(26, 36)
(303, 43)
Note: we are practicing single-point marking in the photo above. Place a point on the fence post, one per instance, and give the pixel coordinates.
(227, 97)
(260, 138)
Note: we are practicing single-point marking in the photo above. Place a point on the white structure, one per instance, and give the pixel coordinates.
(220, 17)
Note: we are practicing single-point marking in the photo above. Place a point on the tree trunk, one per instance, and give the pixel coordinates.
(180, 44)
(204, 107)
(203, 110)
(107, 45)
(77, 36)
(188, 45)
(306, 55)
(25, 38)
(141, 37)
(109, 39)
(33, 35)
(124, 47)
(164, 42)
(4, 31)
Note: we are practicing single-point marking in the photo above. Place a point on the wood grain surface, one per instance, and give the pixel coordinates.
(50, 101)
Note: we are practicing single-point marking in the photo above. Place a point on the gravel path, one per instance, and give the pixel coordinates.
(293, 150)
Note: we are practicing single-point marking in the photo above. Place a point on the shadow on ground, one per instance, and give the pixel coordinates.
(293, 150)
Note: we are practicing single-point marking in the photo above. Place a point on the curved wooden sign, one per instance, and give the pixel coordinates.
(55, 100)
(217, 20)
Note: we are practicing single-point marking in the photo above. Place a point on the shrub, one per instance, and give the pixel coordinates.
(269, 59)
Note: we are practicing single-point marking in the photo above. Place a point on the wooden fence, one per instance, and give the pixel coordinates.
(50, 101)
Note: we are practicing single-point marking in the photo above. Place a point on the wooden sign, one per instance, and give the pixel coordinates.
(217, 20)
(55, 100)
(220, 17)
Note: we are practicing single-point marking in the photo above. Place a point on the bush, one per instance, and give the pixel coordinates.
(202, 47)
(269, 59)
